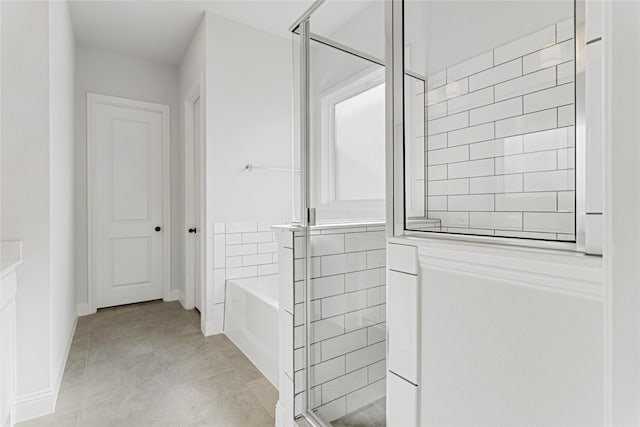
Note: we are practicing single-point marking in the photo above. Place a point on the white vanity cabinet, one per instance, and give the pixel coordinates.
(10, 257)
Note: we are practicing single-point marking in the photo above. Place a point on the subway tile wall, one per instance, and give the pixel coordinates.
(240, 250)
(500, 152)
(348, 340)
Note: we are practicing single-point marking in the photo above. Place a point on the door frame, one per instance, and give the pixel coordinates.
(93, 99)
(196, 91)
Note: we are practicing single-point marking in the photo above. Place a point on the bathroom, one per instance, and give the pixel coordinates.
(356, 213)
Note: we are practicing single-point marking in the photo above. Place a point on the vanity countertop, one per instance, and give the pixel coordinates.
(10, 256)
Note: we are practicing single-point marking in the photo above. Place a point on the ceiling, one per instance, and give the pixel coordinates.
(160, 30)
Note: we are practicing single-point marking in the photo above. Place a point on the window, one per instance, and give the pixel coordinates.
(353, 146)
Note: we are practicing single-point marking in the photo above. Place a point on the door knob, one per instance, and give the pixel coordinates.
(158, 228)
(193, 230)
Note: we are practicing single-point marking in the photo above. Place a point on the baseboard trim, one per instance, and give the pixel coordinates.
(83, 309)
(211, 328)
(174, 295)
(33, 405)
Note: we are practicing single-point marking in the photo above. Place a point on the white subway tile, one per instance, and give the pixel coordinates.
(467, 230)
(524, 45)
(326, 328)
(549, 98)
(257, 259)
(233, 262)
(448, 155)
(564, 30)
(528, 123)
(530, 162)
(496, 184)
(365, 241)
(476, 202)
(344, 303)
(376, 259)
(470, 66)
(343, 344)
(332, 410)
(549, 222)
(323, 287)
(566, 115)
(268, 269)
(452, 186)
(366, 356)
(343, 385)
(366, 395)
(219, 228)
(435, 142)
(343, 263)
(471, 100)
(493, 220)
(326, 244)
(437, 79)
(234, 239)
(376, 296)
(453, 219)
(437, 172)
(363, 318)
(259, 237)
(545, 202)
(548, 57)
(567, 158)
(447, 92)
(472, 134)
(437, 203)
(448, 123)
(472, 168)
(241, 227)
(376, 333)
(550, 181)
(325, 371)
(377, 370)
(436, 111)
(496, 148)
(267, 247)
(526, 84)
(237, 250)
(548, 140)
(496, 75)
(566, 201)
(364, 279)
(497, 111)
(219, 250)
(566, 72)
(241, 272)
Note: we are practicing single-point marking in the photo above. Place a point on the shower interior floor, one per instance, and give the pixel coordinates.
(372, 415)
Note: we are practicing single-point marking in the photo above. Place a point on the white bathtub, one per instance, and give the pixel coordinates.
(251, 321)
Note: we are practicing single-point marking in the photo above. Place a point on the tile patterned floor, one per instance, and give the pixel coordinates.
(373, 415)
(149, 365)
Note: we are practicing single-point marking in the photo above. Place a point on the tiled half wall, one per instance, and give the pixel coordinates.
(500, 145)
(347, 333)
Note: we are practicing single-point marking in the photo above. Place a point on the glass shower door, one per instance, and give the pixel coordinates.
(340, 356)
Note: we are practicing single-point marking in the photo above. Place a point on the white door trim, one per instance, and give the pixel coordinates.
(196, 91)
(93, 99)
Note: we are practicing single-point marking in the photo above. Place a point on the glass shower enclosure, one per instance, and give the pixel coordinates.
(339, 146)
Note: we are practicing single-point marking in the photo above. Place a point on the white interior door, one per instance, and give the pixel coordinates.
(192, 184)
(127, 146)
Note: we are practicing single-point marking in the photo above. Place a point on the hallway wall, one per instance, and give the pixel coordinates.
(115, 74)
(37, 196)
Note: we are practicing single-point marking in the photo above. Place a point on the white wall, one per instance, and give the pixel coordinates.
(37, 190)
(61, 184)
(25, 179)
(248, 91)
(114, 74)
